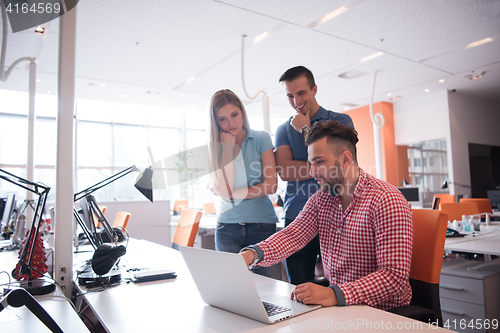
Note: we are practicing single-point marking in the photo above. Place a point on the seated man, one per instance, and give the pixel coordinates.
(364, 225)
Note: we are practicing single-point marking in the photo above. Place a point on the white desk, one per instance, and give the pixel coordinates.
(488, 242)
(58, 308)
(176, 306)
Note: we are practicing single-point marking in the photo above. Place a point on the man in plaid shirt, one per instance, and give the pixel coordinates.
(364, 226)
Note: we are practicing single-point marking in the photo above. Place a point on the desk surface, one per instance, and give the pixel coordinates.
(487, 242)
(58, 308)
(176, 306)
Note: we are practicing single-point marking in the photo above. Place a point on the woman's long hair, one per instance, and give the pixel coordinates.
(219, 100)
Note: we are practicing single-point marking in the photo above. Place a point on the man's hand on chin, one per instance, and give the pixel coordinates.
(310, 293)
(300, 120)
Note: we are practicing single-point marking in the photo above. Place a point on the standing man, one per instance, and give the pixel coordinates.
(291, 161)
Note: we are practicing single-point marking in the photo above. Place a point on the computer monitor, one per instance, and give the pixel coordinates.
(7, 206)
(494, 197)
(411, 194)
(87, 219)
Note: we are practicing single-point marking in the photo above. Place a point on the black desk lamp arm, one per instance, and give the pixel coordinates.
(103, 183)
(19, 297)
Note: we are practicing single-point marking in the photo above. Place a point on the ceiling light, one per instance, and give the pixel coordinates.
(441, 81)
(260, 37)
(328, 17)
(102, 85)
(165, 104)
(122, 96)
(479, 42)
(181, 94)
(351, 74)
(373, 56)
(426, 90)
(39, 30)
(191, 79)
(395, 97)
(38, 80)
(346, 108)
(48, 92)
(470, 77)
(389, 94)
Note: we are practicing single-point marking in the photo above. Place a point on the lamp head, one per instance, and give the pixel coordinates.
(445, 185)
(145, 183)
(105, 257)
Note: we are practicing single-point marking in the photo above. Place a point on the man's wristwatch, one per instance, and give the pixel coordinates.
(305, 129)
(255, 255)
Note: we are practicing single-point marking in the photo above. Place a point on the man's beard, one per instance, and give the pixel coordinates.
(333, 183)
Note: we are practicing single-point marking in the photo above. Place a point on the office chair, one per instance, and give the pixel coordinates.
(209, 208)
(177, 203)
(483, 204)
(429, 234)
(444, 198)
(457, 209)
(186, 230)
(121, 220)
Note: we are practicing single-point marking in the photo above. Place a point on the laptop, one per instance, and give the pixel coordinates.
(224, 281)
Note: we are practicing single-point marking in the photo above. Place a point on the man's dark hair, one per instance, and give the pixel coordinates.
(339, 137)
(296, 72)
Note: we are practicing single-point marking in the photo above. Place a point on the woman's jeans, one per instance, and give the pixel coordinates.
(232, 237)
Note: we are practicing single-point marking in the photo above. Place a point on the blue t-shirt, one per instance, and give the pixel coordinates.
(298, 192)
(247, 168)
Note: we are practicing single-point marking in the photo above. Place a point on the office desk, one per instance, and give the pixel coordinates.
(488, 242)
(58, 308)
(176, 306)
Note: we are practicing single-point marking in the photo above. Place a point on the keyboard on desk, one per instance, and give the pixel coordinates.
(273, 309)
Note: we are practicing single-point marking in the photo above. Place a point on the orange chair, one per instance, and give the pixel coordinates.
(186, 230)
(182, 207)
(429, 234)
(483, 204)
(209, 208)
(457, 209)
(444, 198)
(121, 220)
(177, 203)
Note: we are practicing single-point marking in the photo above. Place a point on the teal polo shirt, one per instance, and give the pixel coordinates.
(247, 168)
(298, 192)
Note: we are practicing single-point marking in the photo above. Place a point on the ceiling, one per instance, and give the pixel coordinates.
(151, 52)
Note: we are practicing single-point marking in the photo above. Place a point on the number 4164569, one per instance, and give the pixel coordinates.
(36, 8)
(475, 324)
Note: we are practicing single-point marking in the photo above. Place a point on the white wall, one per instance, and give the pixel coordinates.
(472, 120)
(421, 118)
(148, 220)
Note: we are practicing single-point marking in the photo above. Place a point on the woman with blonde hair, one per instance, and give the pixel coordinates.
(244, 174)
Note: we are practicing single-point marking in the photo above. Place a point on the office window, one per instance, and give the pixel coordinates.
(14, 140)
(428, 167)
(45, 142)
(94, 144)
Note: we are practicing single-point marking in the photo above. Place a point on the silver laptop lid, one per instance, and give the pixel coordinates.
(224, 281)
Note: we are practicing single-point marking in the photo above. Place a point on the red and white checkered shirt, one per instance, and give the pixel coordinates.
(366, 250)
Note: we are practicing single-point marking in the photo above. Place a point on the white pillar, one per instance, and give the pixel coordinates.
(64, 161)
(265, 113)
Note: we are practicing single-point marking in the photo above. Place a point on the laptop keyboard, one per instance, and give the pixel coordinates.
(273, 309)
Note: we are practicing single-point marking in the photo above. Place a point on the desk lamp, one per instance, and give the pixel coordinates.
(445, 185)
(24, 266)
(19, 297)
(105, 255)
